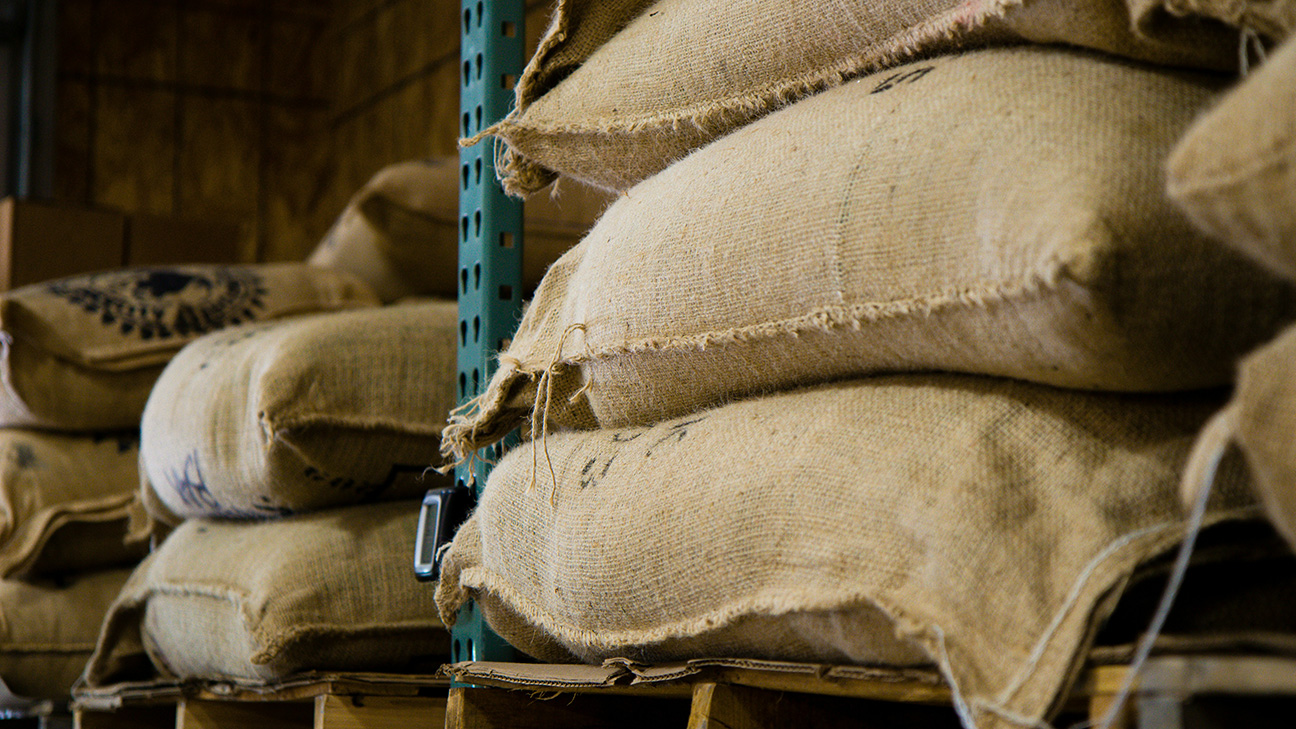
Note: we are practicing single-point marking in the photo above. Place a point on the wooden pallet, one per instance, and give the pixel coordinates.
(1202, 692)
(352, 701)
(1197, 692)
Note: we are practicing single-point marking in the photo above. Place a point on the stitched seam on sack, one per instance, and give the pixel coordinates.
(882, 55)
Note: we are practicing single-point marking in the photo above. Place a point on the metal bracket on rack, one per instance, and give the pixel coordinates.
(443, 511)
(490, 280)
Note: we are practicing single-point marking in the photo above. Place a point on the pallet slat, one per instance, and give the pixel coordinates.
(379, 712)
(487, 708)
(134, 717)
(245, 715)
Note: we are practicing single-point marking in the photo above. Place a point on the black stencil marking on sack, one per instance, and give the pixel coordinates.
(587, 477)
(160, 303)
(126, 442)
(265, 507)
(25, 456)
(674, 434)
(404, 475)
(907, 77)
(189, 484)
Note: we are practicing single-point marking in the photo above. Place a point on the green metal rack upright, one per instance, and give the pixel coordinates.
(490, 276)
(490, 244)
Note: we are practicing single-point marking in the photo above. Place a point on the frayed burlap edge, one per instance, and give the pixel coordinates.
(521, 175)
(24, 547)
(1274, 20)
(522, 386)
(1024, 701)
(122, 634)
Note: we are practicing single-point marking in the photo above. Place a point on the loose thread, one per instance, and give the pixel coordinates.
(1249, 42)
(1173, 585)
(544, 443)
(541, 385)
(956, 694)
(583, 389)
(489, 131)
(540, 414)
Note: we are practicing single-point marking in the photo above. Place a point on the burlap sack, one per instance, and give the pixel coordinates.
(400, 233)
(81, 353)
(1261, 421)
(258, 602)
(48, 629)
(990, 522)
(1234, 172)
(1273, 19)
(65, 501)
(619, 90)
(302, 415)
(940, 216)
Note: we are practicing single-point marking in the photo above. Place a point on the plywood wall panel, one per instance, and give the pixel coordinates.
(77, 37)
(220, 157)
(137, 40)
(443, 100)
(134, 148)
(72, 144)
(221, 50)
(301, 64)
(301, 195)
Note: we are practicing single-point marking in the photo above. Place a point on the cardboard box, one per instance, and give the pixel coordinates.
(41, 241)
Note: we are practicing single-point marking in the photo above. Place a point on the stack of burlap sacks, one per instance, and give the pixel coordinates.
(891, 351)
(80, 356)
(1235, 175)
(282, 464)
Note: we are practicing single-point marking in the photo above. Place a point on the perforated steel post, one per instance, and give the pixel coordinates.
(490, 245)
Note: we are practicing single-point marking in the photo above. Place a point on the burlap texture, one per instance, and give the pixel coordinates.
(260, 601)
(619, 90)
(302, 415)
(400, 233)
(65, 500)
(1261, 421)
(992, 522)
(1234, 171)
(81, 353)
(1273, 19)
(939, 216)
(48, 629)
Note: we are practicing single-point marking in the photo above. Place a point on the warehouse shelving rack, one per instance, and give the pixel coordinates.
(492, 49)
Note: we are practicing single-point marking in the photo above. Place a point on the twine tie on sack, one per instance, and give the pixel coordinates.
(540, 413)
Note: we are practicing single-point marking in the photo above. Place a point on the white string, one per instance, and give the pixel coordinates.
(1172, 587)
(960, 704)
(1071, 601)
(1248, 42)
